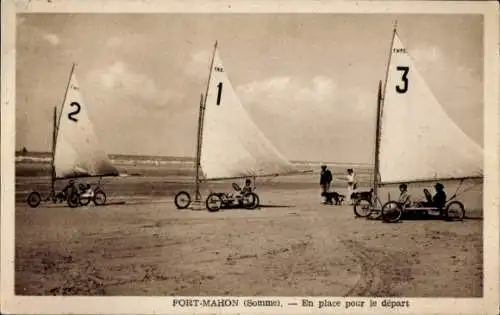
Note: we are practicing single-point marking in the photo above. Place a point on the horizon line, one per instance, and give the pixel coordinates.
(20, 153)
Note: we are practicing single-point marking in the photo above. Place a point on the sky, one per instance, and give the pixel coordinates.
(309, 81)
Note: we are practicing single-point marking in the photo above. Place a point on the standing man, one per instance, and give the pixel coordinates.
(325, 179)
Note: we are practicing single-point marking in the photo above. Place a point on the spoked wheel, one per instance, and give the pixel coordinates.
(362, 208)
(182, 200)
(455, 211)
(99, 197)
(73, 200)
(34, 199)
(214, 202)
(85, 200)
(391, 212)
(251, 201)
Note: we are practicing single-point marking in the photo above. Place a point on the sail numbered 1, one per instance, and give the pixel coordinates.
(232, 144)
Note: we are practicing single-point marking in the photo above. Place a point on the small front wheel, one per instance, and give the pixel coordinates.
(182, 200)
(34, 199)
(99, 197)
(391, 212)
(455, 211)
(214, 202)
(362, 208)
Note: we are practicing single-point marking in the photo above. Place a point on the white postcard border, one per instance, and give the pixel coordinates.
(135, 305)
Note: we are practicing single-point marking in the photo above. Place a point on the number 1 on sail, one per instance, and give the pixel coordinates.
(219, 92)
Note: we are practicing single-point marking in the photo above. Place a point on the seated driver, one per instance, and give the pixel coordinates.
(87, 191)
(438, 200)
(247, 188)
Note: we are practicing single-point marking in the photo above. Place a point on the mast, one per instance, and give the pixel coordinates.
(53, 173)
(57, 121)
(377, 141)
(389, 59)
(198, 150)
(201, 118)
(380, 106)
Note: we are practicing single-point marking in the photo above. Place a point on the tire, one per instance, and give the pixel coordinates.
(34, 199)
(73, 200)
(391, 212)
(182, 200)
(99, 197)
(250, 201)
(84, 201)
(454, 211)
(362, 208)
(214, 202)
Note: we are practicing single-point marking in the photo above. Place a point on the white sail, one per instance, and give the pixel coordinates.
(77, 152)
(232, 145)
(418, 140)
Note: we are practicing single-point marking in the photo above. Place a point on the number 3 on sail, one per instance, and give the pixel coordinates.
(404, 78)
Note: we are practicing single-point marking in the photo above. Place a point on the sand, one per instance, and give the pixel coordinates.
(291, 246)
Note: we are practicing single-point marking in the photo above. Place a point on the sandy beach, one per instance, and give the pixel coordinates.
(140, 244)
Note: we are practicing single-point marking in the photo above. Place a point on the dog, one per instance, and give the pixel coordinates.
(330, 196)
(362, 195)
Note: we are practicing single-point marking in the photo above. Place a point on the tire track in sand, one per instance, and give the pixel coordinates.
(382, 272)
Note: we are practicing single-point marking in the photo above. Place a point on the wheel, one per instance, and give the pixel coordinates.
(455, 211)
(214, 202)
(99, 197)
(34, 199)
(73, 200)
(391, 212)
(182, 200)
(84, 201)
(250, 200)
(362, 208)
(257, 201)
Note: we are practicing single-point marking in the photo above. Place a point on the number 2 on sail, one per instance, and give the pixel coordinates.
(404, 78)
(219, 92)
(73, 113)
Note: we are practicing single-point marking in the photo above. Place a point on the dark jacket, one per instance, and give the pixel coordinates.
(326, 177)
(439, 199)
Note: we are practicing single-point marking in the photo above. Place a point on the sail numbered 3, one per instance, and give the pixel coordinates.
(418, 140)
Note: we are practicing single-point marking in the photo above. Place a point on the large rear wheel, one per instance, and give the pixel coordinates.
(251, 201)
(455, 211)
(391, 212)
(214, 202)
(34, 199)
(85, 199)
(99, 197)
(182, 200)
(362, 208)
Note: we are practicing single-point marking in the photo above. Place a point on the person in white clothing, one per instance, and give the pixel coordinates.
(351, 184)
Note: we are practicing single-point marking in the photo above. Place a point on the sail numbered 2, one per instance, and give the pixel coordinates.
(77, 151)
